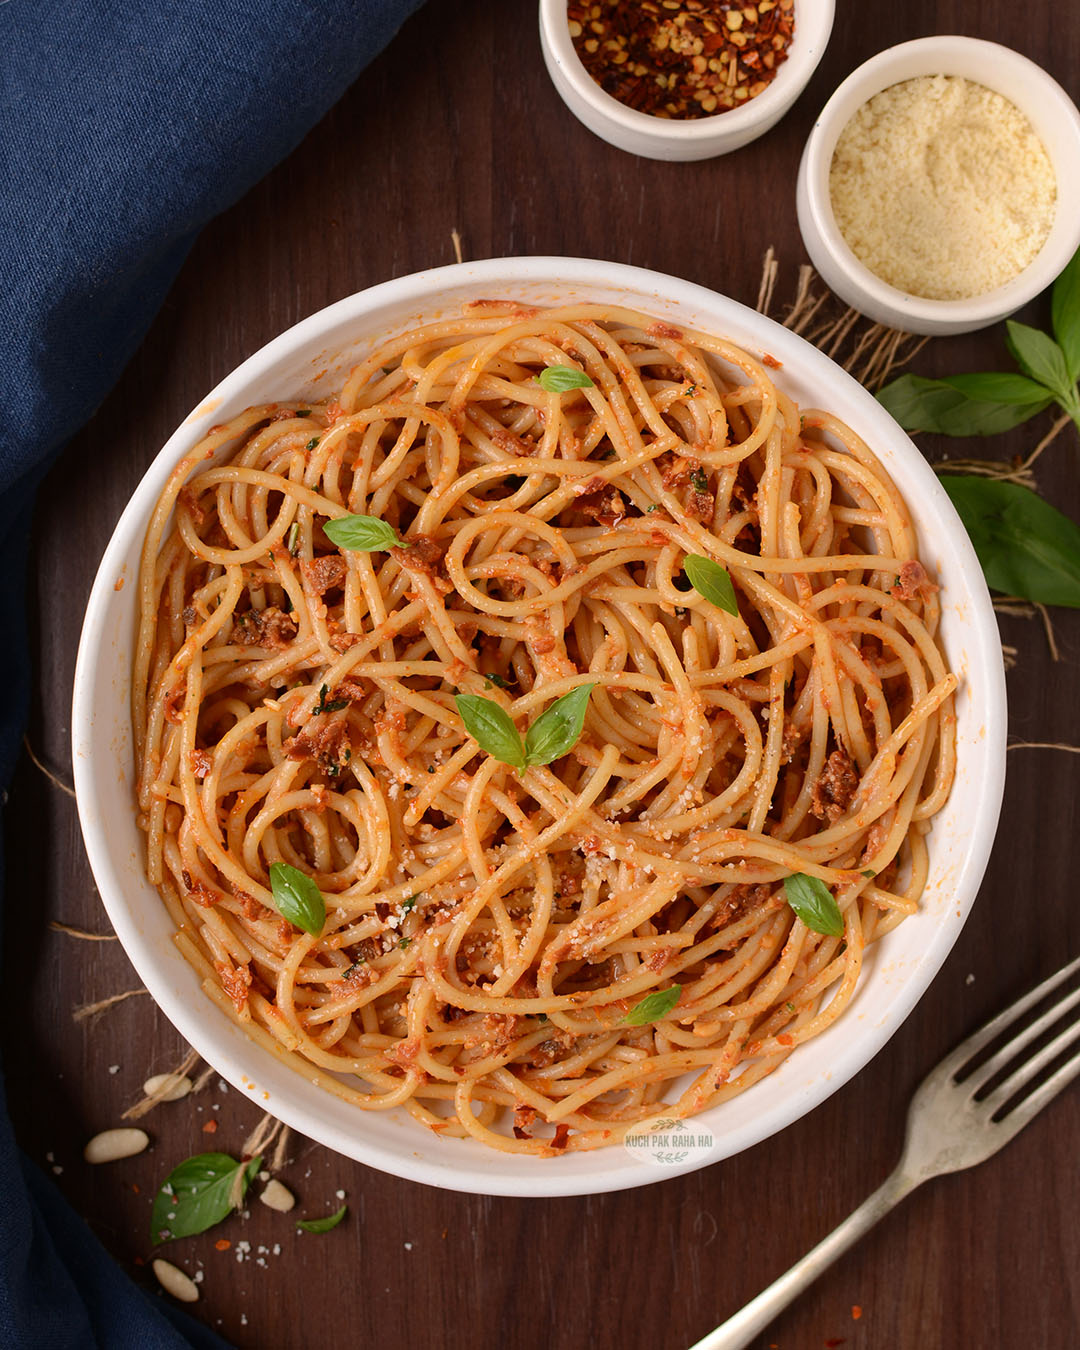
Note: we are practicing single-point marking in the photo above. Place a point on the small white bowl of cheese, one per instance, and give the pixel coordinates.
(939, 190)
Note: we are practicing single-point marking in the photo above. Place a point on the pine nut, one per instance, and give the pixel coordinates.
(173, 1280)
(170, 1086)
(113, 1144)
(277, 1196)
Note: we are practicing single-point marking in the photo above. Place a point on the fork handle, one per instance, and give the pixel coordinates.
(739, 1331)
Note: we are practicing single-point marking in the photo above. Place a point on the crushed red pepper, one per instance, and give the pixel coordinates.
(682, 58)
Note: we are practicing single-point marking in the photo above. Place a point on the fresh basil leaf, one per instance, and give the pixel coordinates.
(491, 728)
(1065, 315)
(558, 379)
(556, 730)
(869, 872)
(814, 903)
(653, 1006)
(964, 405)
(495, 682)
(712, 581)
(322, 1225)
(1025, 545)
(1038, 355)
(363, 534)
(297, 898)
(198, 1194)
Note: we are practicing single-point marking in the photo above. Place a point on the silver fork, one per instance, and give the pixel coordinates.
(952, 1123)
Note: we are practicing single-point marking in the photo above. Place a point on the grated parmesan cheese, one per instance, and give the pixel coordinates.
(941, 187)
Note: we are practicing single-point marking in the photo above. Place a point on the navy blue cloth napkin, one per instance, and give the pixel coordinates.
(124, 128)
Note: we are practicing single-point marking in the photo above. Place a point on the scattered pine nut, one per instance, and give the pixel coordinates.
(173, 1280)
(277, 1196)
(167, 1087)
(113, 1144)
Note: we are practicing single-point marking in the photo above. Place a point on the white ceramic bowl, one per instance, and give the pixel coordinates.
(312, 359)
(1055, 120)
(698, 138)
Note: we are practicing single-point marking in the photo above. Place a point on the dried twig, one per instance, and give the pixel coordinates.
(769, 269)
(58, 782)
(202, 1079)
(1044, 614)
(1008, 471)
(1043, 745)
(81, 932)
(87, 1010)
(1017, 608)
(278, 1161)
(150, 1099)
(455, 239)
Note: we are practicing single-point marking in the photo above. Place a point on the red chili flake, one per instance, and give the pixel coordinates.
(210, 1127)
(222, 1245)
(682, 58)
(856, 1311)
(833, 1342)
(136, 1188)
(562, 1134)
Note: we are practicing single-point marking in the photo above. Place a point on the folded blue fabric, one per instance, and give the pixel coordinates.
(125, 129)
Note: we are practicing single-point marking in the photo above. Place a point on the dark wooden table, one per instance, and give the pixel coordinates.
(457, 126)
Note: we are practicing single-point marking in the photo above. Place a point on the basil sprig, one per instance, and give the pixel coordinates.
(297, 898)
(322, 1225)
(712, 581)
(552, 735)
(363, 534)
(558, 379)
(1025, 545)
(984, 404)
(814, 903)
(198, 1194)
(653, 1006)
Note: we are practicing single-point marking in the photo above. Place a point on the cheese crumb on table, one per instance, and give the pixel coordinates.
(941, 187)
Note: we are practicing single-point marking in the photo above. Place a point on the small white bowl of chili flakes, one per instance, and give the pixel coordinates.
(682, 79)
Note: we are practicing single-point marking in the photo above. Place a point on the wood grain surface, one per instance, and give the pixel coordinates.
(457, 126)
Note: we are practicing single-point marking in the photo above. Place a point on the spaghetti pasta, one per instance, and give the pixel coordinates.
(543, 957)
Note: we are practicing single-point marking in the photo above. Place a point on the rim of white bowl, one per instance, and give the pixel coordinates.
(813, 26)
(999, 68)
(470, 1167)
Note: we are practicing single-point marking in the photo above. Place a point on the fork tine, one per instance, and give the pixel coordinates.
(1012, 1048)
(1043, 1095)
(968, 1049)
(1024, 1073)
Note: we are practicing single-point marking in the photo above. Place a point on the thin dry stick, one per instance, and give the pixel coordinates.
(769, 268)
(455, 239)
(87, 1010)
(1043, 745)
(1044, 614)
(81, 932)
(278, 1161)
(203, 1079)
(1018, 608)
(149, 1100)
(58, 782)
(805, 305)
(836, 334)
(909, 346)
(1007, 472)
(262, 1136)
